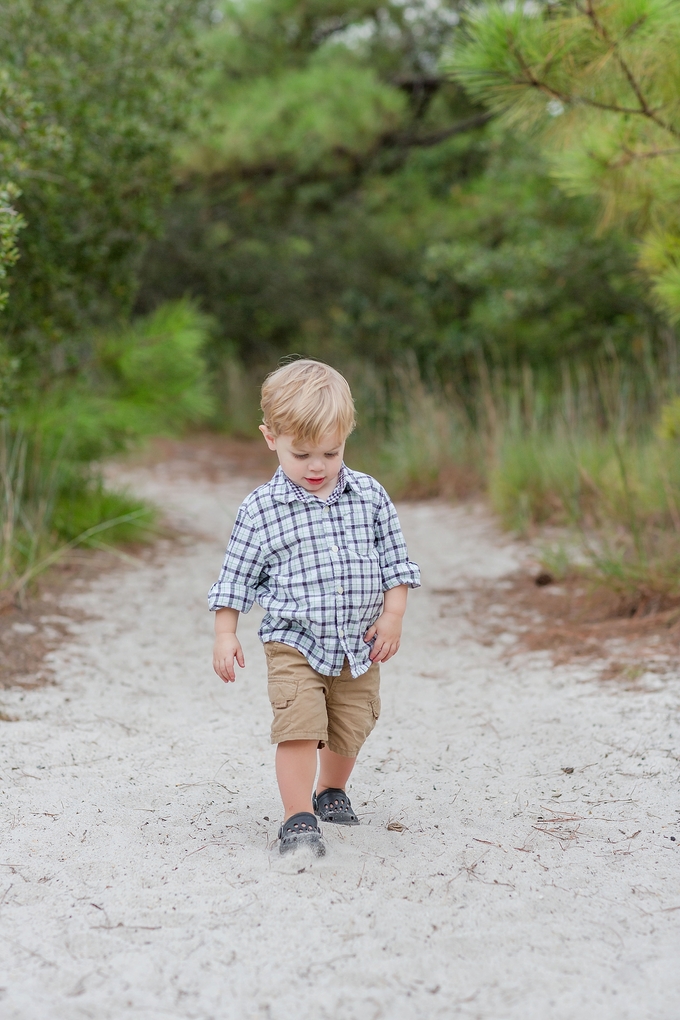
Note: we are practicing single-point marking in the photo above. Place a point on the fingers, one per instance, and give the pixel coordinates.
(225, 669)
(223, 661)
(376, 651)
(370, 633)
(394, 648)
(384, 650)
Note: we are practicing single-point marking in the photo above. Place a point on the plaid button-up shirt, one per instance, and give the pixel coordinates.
(319, 569)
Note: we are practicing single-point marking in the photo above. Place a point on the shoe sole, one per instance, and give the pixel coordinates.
(312, 842)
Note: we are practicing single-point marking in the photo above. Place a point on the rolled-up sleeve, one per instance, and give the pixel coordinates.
(395, 565)
(243, 569)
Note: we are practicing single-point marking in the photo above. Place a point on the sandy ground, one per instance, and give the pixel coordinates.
(517, 858)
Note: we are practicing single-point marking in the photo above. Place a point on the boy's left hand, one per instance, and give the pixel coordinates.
(387, 633)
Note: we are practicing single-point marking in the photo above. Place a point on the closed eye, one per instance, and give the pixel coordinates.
(305, 456)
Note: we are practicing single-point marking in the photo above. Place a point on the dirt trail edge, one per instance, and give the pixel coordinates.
(517, 858)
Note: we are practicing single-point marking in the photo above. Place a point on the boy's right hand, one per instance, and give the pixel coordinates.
(227, 648)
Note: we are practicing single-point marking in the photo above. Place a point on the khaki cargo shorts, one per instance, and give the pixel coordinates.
(339, 711)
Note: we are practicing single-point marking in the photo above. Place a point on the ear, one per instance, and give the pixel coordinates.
(269, 439)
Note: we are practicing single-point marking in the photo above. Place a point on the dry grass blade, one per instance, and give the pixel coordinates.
(8, 595)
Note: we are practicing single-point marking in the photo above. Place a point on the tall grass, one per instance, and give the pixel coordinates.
(27, 495)
(47, 509)
(418, 440)
(595, 451)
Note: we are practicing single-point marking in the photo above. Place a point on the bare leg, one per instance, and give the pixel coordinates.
(335, 770)
(295, 771)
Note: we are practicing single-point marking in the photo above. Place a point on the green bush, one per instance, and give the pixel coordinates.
(92, 94)
(148, 378)
(159, 372)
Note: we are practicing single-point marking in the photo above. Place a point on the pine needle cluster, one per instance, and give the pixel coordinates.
(600, 81)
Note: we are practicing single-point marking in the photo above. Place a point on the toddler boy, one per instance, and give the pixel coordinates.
(320, 548)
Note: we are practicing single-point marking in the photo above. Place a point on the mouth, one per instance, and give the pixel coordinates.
(315, 481)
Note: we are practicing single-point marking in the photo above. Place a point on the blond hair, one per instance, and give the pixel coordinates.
(307, 400)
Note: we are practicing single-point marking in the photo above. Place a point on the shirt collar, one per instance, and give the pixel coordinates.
(285, 491)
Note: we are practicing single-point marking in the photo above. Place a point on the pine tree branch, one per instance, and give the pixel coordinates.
(357, 165)
(645, 109)
(629, 157)
(570, 99)
(406, 140)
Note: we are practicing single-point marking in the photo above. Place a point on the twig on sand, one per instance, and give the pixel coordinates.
(557, 818)
(489, 843)
(31, 952)
(561, 836)
(207, 782)
(468, 869)
(215, 842)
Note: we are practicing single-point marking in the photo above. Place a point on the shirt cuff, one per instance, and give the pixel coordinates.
(231, 595)
(401, 573)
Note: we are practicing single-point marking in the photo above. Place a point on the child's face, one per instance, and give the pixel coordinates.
(314, 467)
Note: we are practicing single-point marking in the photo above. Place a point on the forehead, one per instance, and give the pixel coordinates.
(328, 442)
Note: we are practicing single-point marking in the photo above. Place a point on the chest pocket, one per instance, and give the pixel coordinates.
(357, 524)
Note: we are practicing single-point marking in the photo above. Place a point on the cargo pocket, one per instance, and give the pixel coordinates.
(282, 693)
(375, 708)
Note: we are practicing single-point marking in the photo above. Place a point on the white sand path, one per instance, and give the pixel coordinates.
(140, 877)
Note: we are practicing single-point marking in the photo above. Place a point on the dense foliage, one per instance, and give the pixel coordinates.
(91, 96)
(601, 80)
(341, 196)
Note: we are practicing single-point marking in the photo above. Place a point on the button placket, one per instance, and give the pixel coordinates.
(332, 551)
(337, 573)
(335, 560)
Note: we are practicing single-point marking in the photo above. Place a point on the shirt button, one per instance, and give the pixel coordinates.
(334, 548)
(341, 633)
(326, 509)
(339, 591)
